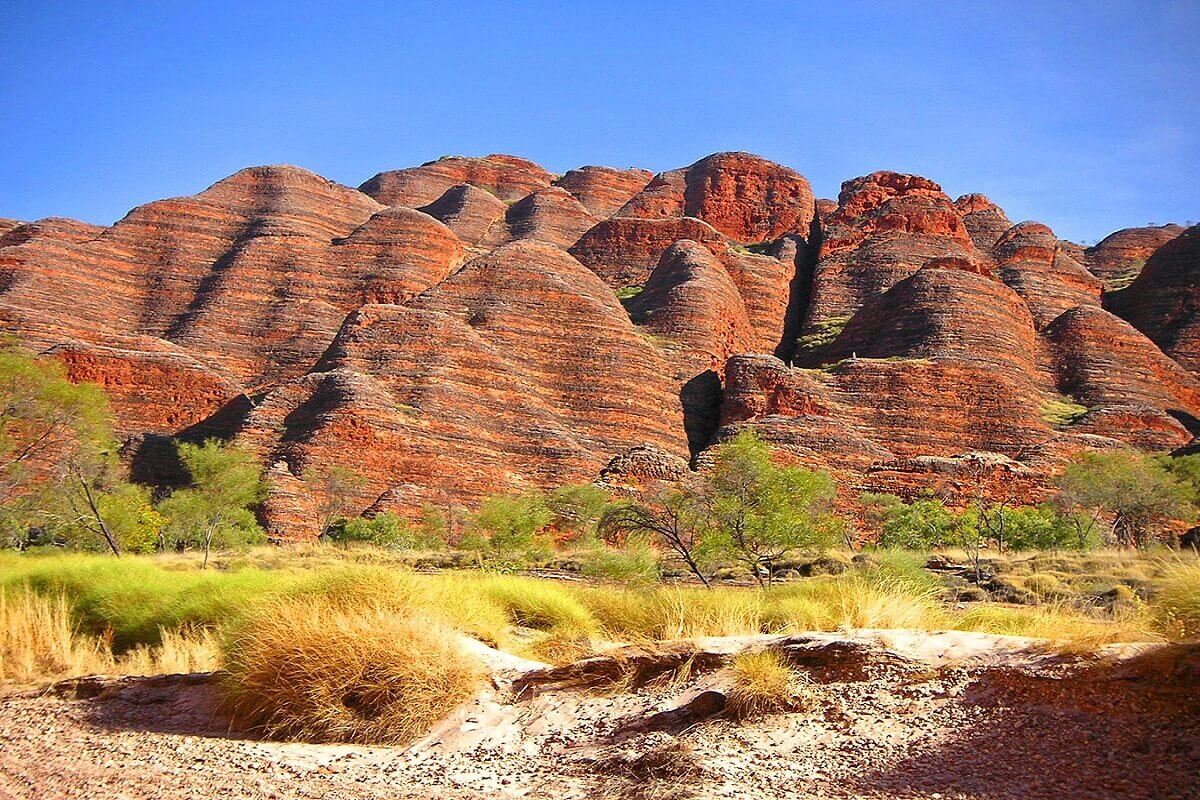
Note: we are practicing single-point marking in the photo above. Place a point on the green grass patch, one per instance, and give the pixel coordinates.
(1062, 411)
(822, 333)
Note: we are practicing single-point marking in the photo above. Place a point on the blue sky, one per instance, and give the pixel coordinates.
(1084, 115)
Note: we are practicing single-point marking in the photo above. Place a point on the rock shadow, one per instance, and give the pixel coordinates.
(1125, 731)
(184, 704)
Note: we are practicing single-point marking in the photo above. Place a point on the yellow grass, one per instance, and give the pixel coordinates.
(848, 602)
(1175, 610)
(1062, 625)
(39, 641)
(308, 670)
(763, 683)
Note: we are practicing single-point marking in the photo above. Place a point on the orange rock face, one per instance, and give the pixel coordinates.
(1119, 257)
(744, 197)
(520, 370)
(508, 177)
(985, 221)
(1164, 301)
(885, 228)
(624, 250)
(1032, 261)
(475, 325)
(603, 190)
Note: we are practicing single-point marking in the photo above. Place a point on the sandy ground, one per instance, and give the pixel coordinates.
(931, 720)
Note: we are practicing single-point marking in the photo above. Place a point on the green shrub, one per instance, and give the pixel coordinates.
(920, 525)
(821, 334)
(510, 526)
(383, 530)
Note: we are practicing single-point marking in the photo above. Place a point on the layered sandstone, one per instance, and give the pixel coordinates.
(469, 211)
(550, 215)
(691, 302)
(624, 250)
(744, 197)
(886, 227)
(1104, 363)
(603, 190)
(454, 329)
(520, 370)
(985, 221)
(1032, 261)
(1164, 301)
(1119, 257)
(508, 177)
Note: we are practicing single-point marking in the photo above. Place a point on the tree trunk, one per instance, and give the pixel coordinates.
(95, 509)
(695, 568)
(208, 537)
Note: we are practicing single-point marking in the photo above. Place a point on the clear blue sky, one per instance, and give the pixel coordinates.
(1083, 115)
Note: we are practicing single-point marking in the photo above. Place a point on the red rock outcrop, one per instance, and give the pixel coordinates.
(603, 190)
(885, 228)
(252, 276)
(623, 250)
(1119, 257)
(925, 316)
(508, 177)
(457, 333)
(1104, 363)
(862, 417)
(550, 215)
(469, 211)
(520, 370)
(913, 336)
(1164, 301)
(1031, 260)
(985, 221)
(824, 207)
(744, 197)
(691, 300)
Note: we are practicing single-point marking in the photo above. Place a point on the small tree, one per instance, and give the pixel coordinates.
(46, 422)
(507, 525)
(215, 509)
(670, 515)
(762, 512)
(334, 488)
(1137, 493)
(57, 452)
(922, 524)
(577, 509)
(129, 518)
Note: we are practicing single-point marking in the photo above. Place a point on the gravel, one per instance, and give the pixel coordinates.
(989, 732)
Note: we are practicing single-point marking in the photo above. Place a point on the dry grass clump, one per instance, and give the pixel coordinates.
(1175, 610)
(687, 613)
(852, 601)
(39, 641)
(178, 651)
(1045, 585)
(1063, 625)
(764, 683)
(307, 670)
